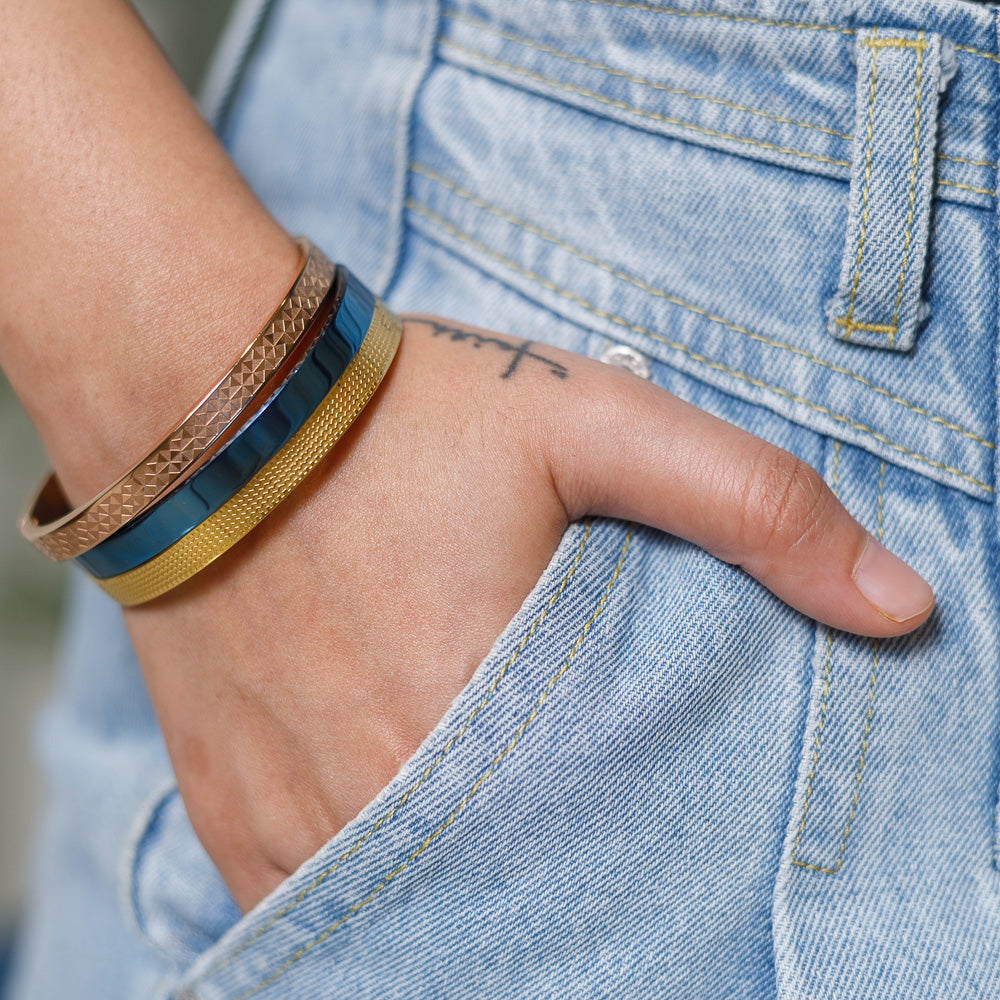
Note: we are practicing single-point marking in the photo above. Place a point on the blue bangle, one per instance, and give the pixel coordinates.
(252, 447)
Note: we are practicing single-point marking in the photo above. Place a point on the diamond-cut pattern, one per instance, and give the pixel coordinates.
(192, 441)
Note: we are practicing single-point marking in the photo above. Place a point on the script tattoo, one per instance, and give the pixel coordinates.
(519, 352)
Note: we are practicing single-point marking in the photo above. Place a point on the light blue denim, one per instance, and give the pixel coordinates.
(661, 782)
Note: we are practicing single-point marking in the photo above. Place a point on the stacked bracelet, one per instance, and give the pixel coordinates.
(328, 371)
(61, 533)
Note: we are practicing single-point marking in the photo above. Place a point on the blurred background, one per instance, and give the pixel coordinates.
(31, 587)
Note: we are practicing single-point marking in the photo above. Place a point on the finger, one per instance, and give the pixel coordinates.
(627, 449)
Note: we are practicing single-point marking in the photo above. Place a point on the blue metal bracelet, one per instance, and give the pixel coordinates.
(252, 447)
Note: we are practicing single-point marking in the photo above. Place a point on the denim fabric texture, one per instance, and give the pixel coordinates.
(899, 76)
(661, 782)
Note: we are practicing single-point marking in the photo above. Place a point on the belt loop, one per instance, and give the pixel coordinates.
(878, 300)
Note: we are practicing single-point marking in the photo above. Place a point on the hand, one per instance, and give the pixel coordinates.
(296, 674)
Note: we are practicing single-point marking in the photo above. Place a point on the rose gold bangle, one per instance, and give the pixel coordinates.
(61, 533)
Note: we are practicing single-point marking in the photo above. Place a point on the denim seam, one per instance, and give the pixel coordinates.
(962, 159)
(827, 660)
(847, 321)
(319, 879)
(738, 18)
(764, 22)
(895, 43)
(994, 536)
(692, 95)
(443, 224)
(674, 300)
(642, 81)
(920, 47)
(866, 732)
(978, 52)
(469, 795)
(623, 106)
(967, 187)
(666, 119)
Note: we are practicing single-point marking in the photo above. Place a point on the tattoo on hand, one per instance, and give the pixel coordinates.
(519, 352)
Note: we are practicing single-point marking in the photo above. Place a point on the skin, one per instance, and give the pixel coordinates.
(283, 715)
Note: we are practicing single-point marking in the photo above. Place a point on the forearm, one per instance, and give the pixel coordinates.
(135, 264)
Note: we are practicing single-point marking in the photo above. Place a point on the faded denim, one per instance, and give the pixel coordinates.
(661, 782)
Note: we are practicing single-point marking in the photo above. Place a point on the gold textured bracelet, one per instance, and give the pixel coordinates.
(61, 533)
(238, 516)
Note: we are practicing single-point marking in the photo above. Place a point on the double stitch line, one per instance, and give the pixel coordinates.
(827, 658)
(681, 123)
(761, 21)
(968, 187)
(847, 322)
(469, 795)
(228, 959)
(913, 182)
(624, 106)
(971, 163)
(641, 81)
(537, 46)
(738, 18)
(500, 213)
(866, 732)
(447, 227)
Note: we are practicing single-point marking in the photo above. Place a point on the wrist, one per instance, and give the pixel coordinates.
(126, 381)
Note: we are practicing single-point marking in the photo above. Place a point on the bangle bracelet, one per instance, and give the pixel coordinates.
(253, 445)
(222, 529)
(61, 533)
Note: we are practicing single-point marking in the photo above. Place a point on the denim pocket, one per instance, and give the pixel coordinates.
(174, 893)
(366, 866)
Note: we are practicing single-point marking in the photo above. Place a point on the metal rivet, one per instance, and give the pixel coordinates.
(625, 357)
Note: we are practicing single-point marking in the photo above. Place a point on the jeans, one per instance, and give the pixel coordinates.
(661, 781)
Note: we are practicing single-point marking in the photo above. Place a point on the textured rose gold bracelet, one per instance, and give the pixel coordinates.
(61, 533)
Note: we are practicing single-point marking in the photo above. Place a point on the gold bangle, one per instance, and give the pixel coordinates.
(238, 516)
(61, 533)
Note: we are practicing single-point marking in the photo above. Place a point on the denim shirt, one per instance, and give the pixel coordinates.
(661, 781)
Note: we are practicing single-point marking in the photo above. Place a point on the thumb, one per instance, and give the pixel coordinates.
(631, 450)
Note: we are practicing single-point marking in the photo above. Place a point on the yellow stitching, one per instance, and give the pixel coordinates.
(677, 122)
(680, 91)
(681, 303)
(863, 752)
(816, 742)
(642, 81)
(469, 795)
(978, 52)
(425, 774)
(894, 43)
(864, 195)
(913, 185)
(966, 187)
(684, 349)
(826, 691)
(633, 5)
(851, 325)
(971, 163)
(622, 105)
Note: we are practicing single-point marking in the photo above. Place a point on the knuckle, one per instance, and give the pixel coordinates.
(785, 502)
